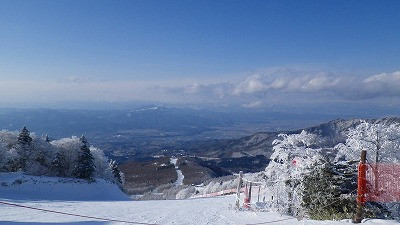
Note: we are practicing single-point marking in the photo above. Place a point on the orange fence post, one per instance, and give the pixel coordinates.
(362, 187)
(362, 183)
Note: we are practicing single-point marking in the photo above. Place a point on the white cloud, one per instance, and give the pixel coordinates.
(252, 84)
(384, 84)
(282, 85)
(318, 85)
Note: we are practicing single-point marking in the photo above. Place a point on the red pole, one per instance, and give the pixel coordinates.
(362, 183)
(362, 187)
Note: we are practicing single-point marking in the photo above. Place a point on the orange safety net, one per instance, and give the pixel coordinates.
(379, 182)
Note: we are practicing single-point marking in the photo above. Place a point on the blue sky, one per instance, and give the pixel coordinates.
(249, 53)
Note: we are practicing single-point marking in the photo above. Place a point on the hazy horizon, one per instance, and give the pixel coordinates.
(241, 54)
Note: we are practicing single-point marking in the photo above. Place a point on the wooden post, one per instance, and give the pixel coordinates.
(361, 190)
(239, 187)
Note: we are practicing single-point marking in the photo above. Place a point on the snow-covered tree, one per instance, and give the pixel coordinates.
(24, 137)
(67, 150)
(67, 157)
(116, 172)
(9, 138)
(292, 157)
(329, 183)
(85, 167)
(24, 147)
(58, 165)
(101, 164)
(40, 157)
(381, 142)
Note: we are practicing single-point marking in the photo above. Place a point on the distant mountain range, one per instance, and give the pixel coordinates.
(260, 143)
(210, 143)
(147, 129)
(153, 130)
(202, 160)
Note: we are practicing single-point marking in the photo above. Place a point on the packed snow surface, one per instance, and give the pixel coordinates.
(18, 186)
(78, 198)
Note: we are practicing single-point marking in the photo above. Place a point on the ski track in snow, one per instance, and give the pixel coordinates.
(179, 180)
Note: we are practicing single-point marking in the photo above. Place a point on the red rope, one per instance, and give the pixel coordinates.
(76, 215)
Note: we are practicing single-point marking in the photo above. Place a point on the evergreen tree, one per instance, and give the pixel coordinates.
(24, 138)
(116, 172)
(24, 147)
(329, 190)
(58, 165)
(85, 165)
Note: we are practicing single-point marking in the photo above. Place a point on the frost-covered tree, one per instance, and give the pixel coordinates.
(40, 157)
(329, 190)
(292, 157)
(101, 164)
(381, 142)
(116, 172)
(303, 180)
(68, 149)
(24, 147)
(24, 137)
(64, 157)
(58, 165)
(85, 167)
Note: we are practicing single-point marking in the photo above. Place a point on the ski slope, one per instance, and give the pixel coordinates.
(18, 186)
(188, 212)
(180, 176)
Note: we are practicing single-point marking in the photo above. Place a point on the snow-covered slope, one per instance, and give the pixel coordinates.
(33, 200)
(164, 212)
(18, 186)
(179, 180)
